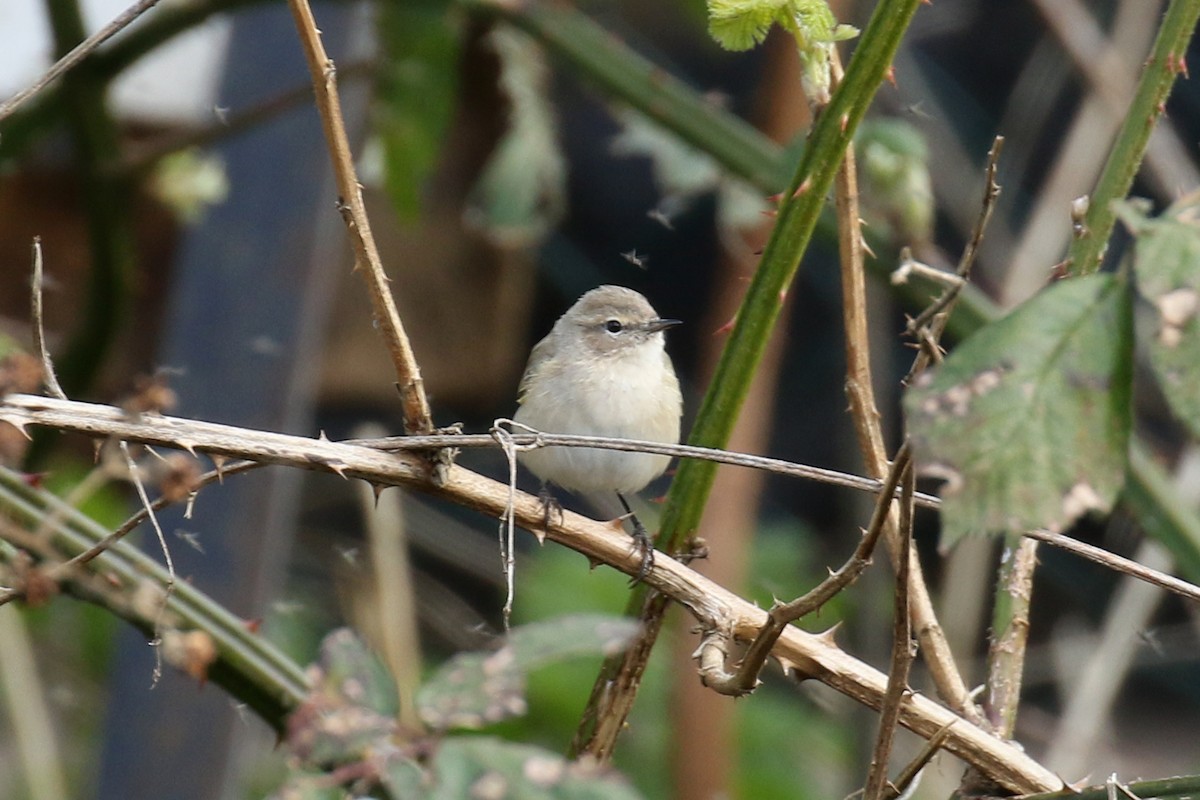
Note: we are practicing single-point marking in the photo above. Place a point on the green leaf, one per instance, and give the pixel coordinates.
(417, 89)
(1028, 420)
(351, 707)
(1167, 265)
(742, 24)
(897, 191)
(480, 766)
(521, 194)
(476, 689)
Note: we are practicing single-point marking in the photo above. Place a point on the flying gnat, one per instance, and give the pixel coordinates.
(635, 258)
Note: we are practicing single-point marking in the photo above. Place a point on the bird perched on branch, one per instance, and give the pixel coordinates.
(603, 371)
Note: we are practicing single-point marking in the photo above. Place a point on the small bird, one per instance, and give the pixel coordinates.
(603, 371)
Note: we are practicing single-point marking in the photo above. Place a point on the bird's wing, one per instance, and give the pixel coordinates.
(536, 359)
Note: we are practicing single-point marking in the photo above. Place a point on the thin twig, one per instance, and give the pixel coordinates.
(783, 614)
(1117, 563)
(902, 656)
(928, 326)
(162, 541)
(417, 417)
(49, 379)
(533, 438)
(77, 54)
(865, 414)
(913, 768)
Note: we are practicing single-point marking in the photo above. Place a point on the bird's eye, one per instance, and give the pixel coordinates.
(613, 326)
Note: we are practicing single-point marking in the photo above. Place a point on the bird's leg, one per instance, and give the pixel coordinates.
(642, 538)
(550, 506)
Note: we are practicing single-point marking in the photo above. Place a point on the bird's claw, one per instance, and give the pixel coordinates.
(645, 544)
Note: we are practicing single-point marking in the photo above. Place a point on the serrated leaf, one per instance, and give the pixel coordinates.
(1167, 265)
(742, 24)
(479, 766)
(1028, 420)
(476, 689)
(417, 91)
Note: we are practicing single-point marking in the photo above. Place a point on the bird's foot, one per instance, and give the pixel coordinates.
(550, 507)
(645, 544)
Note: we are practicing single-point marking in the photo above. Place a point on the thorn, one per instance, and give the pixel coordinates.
(219, 462)
(890, 77)
(801, 189)
(726, 328)
(770, 213)
(829, 636)
(540, 533)
(844, 123)
(321, 437)
(337, 467)
(252, 625)
(377, 490)
(20, 425)
(593, 563)
(775, 198)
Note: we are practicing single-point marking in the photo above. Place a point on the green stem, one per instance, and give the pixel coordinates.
(798, 214)
(799, 211)
(248, 666)
(1010, 631)
(1149, 104)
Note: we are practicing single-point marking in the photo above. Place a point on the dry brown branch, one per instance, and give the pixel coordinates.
(902, 655)
(24, 410)
(417, 418)
(865, 414)
(715, 607)
(77, 54)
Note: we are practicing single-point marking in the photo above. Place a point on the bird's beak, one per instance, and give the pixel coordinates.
(655, 325)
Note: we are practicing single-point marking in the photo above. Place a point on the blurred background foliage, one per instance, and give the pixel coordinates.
(178, 182)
